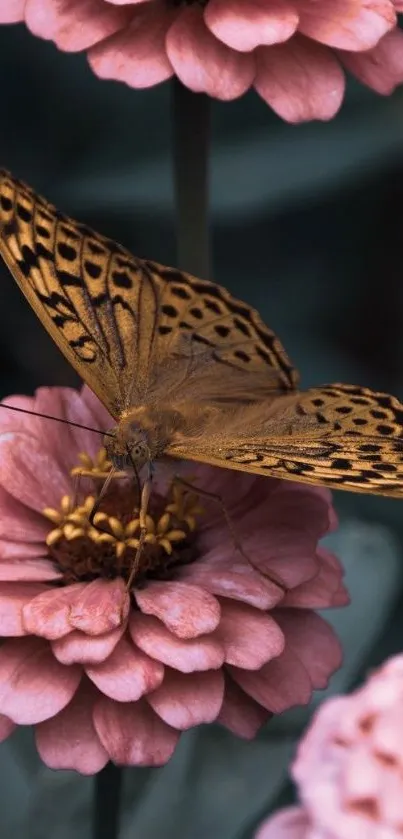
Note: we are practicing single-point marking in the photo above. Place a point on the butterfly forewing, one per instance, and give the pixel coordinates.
(142, 334)
(117, 318)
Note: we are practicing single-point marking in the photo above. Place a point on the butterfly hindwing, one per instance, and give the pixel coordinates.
(340, 436)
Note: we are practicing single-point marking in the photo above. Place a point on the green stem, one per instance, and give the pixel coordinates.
(107, 794)
(191, 136)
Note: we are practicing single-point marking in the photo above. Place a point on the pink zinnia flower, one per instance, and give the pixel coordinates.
(291, 51)
(104, 673)
(349, 766)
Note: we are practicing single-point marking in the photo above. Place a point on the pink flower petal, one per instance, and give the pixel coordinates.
(203, 63)
(83, 649)
(244, 24)
(250, 638)
(361, 777)
(310, 506)
(340, 598)
(345, 23)
(6, 727)
(387, 736)
(247, 493)
(10, 549)
(53, 401)
(101, 417)
(319, 593)
(295, 519)
(29, 473)
(48, 614)
(39, 570)
(81, 410)
(69, 740)
(279, 685)
(13, 597)
(100, 606)
(186, 610)
(239, 713)
(33, 685)
(16, 420)
(232, 578)
(132, 734)
(290, 823)
(380, 68)
(136, 55)
(18, 522)
(94, 608)
(332, 570)
(300, 80)
(11, 11)
(314, 641)
(67, 404)
(74, 24)
(186, 700)
(290, 571)
(127, 2)
(127, 674)
(154, 638)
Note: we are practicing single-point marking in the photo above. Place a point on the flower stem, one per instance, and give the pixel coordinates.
(191, 135)
(107, 793)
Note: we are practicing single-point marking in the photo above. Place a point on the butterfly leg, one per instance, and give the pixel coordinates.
(101, 495)
(144, 502)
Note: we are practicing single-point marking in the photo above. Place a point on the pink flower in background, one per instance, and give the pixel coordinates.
(349, 766)
(202, 635)
(291, 51)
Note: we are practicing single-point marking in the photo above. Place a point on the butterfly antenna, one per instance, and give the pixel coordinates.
(56, 419)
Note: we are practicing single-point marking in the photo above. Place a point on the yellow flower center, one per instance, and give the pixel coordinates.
(106, 547)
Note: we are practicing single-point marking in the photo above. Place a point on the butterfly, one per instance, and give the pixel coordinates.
(186, 370)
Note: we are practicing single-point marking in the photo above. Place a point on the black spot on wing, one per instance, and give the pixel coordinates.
(121, 279)
(23, 213)
(66, 251)
(43, 231)
(93, 270)
(28, 261)
(6, 203)
(69, 280)
(169, 311)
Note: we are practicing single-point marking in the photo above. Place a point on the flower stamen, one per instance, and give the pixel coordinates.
(98, 467)
(106, 546)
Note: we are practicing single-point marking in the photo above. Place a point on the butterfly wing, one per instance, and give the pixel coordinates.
(340, 436)
(137, 331)
(134, 330)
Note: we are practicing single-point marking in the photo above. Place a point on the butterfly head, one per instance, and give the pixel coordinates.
(127, 448)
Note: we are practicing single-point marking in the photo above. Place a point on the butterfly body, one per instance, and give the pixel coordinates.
(141, 436)
(186, 370)
(147, 433)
